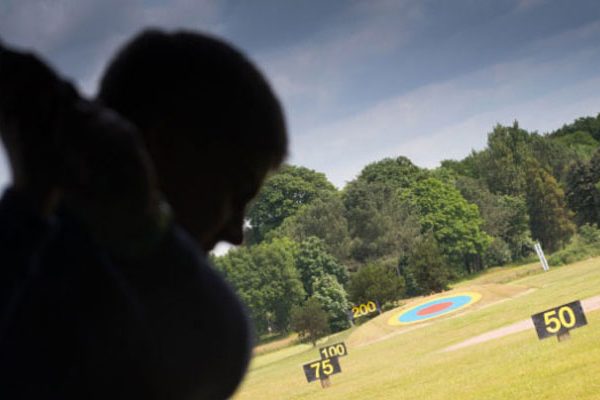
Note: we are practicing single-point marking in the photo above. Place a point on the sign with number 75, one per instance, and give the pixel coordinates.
(321, 369)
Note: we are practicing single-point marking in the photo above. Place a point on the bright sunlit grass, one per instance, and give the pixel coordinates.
(407, 362)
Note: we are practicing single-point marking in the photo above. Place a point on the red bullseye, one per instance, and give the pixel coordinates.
(434, 308)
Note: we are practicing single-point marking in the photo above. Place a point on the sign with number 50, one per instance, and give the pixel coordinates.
(559, 320)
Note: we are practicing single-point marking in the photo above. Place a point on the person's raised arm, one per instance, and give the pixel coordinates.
(64, 147)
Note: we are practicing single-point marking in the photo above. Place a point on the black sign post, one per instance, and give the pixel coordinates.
(321, 369)
(559, 321)
(333, 350)
(366, 308)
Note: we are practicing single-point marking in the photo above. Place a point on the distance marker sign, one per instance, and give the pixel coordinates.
(364, 309)
(321, 369)
(333, 350)
(559, 320)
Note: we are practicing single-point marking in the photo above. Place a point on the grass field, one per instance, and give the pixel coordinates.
(387, 362)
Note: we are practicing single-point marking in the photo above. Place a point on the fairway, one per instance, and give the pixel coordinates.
(407, 362)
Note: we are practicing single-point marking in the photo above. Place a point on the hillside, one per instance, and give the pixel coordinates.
(412, 364)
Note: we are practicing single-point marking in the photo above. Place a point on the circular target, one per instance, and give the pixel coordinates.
(434, 308)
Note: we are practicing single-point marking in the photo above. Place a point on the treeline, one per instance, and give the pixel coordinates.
(398, 230)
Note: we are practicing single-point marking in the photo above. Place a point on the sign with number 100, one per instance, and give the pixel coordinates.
(321, 369)
(559, 320)
(333, 350)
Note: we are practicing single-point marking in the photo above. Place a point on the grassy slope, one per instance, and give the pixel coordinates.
(408, 365)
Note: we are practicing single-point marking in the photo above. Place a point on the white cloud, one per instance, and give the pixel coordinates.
(310, 75)
(200, 15)
(87, 32)
(523, 5)
(448, 119)
(443, 119)
(79, 36)
(39, 24)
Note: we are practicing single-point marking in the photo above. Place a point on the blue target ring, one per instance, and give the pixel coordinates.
(415, 315)
(434, 308)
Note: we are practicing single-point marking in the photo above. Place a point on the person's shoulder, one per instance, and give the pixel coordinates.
(17, 213)
(178, 245)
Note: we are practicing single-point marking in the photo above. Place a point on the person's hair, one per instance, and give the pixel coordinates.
(196, 90)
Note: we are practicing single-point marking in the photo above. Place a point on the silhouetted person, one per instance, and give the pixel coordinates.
(106, 306)
(209, 120)
(213, 129)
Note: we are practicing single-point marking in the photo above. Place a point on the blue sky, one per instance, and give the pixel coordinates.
(361, 80)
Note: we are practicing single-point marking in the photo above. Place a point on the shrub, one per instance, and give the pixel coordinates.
(589, 234)
(310, 321)
(497, 254)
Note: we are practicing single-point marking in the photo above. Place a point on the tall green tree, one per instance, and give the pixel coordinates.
(240, 270)
(582, 144)
(266, 280)
(506, 158)
(590, 125)
(595, 167)
(427, 269)
(395, 173)
(324, 218)
(557, 154)
(471, 166)
(281, 280)
(310, 321)
(381, 224)
(455, 223)
(517, 234)
(334, 300)
(376, 281)
(505, 218)
(313, 262)
(583, 194)
(550, 220)
(282, 196)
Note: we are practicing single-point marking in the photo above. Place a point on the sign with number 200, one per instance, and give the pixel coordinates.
(364, 309)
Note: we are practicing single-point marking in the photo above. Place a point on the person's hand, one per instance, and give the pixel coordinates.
(108, 179)
(63, 146)
(32, 97)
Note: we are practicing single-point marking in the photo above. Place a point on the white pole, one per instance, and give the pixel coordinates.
(541, 256)
(546, 266)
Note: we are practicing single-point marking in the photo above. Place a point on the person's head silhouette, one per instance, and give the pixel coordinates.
(209, 119)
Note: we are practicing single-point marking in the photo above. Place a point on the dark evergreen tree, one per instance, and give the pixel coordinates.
(395, 173)
(590, 125)
(378, 281)
(550, 220)
(582, 195)
(323, 218)
(282, 195)
(310, 321)
(505, 159)
(266, 279)
(381, 224)
(313, 262)
(455, 223)
(505, 218)
(428, 267)
(334, 300)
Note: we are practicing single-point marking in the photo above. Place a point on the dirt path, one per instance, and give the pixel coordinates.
(590, 304)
